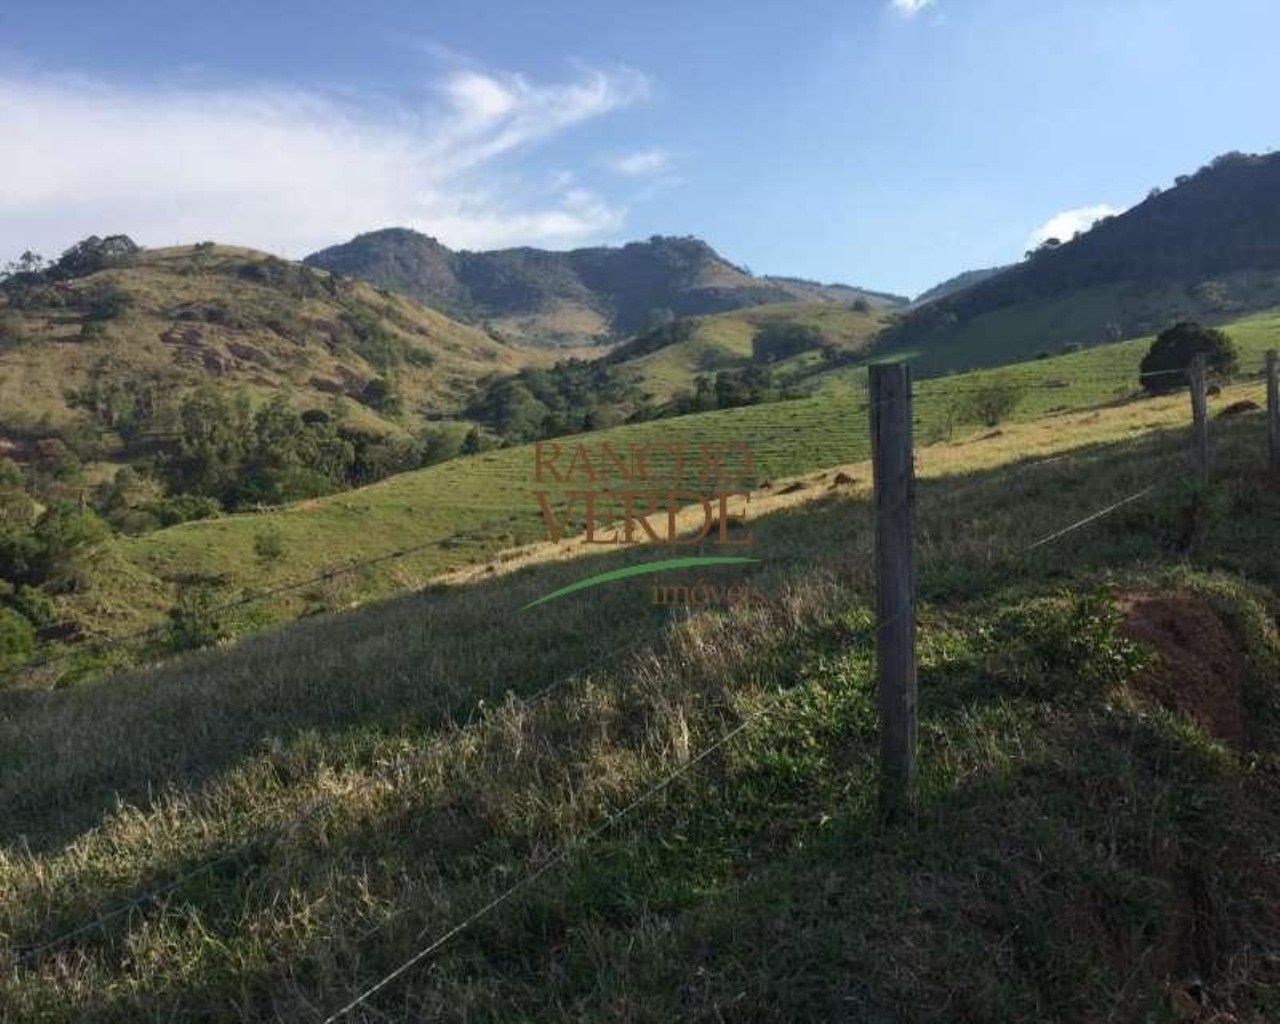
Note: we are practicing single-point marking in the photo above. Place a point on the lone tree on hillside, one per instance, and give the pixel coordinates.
(1164, 367)
(991, 403)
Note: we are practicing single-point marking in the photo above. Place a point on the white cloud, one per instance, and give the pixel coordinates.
(1064, 225)
(910, 8)
(291, 171)
(642, 164)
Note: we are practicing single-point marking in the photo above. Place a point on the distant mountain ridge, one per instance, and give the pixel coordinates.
(1209, 247)
(961, 281)
(580, 296)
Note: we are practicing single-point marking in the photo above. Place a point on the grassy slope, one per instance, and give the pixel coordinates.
(463, 511)
(1077, 855)
(1025, 329)
(35, 376)
(723, 342)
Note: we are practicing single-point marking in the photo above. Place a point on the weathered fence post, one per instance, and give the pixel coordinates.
(1196, 374)
(1273, 405)
(894, 480)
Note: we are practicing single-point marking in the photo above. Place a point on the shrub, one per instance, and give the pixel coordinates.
(35, 605)
(17, 638)
(184, 508)
(196, 621)
(990, 403)
(1164, 366)
(105, 301)
(268, 545)
(1064, 645)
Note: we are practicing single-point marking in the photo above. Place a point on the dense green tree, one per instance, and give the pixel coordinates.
(1163, 367)
(17, 639)
(215, 434)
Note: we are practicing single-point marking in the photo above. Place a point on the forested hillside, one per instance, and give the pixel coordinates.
(1208, 247)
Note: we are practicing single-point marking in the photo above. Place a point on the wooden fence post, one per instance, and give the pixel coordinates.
(894, 480)
(1196, 374)
(1273, 406)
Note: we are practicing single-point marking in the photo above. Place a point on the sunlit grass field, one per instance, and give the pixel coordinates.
(462, 512)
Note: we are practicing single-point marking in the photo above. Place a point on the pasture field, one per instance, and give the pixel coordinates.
(264, 831)
(461, 513)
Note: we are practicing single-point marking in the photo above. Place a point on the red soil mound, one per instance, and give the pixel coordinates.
(1198, 668)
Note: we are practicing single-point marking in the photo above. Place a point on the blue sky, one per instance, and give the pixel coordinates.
(887, 143)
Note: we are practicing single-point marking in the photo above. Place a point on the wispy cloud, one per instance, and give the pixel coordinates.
(910, 8)
(289, 170)
(1064, 225)
(643, 164)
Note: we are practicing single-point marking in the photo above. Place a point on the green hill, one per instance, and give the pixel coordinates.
(463, 512)
(664, 362)
(172, 319)
(582, 296)
(1207, 248)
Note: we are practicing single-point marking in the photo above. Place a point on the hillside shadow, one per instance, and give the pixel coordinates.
(412, 665)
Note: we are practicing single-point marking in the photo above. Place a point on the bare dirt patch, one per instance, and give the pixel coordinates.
(1198, 669)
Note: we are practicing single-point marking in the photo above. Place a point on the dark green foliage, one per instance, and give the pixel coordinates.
(782, 340)
(22, 557)
(104, 301)
(17, 638)
(370, 339)
(17, 507)
(475, 442)
(572, 396)
(92, 254)
(196, 620)
(672, 333)
(184, 508)
(989, 404)
(64, 531)
(728, 389)
(34, 605)
(1176, 348)
(214, 438)
(1064, 645)
(382, 396)
(293, 280)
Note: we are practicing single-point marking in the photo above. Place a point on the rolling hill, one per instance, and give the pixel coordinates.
(76, 353)
(1209, 248)
(462, 513)
(181, 317)
(582, 296)
(666, 361)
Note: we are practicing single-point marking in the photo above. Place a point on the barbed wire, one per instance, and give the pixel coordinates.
(291, 827)
(96, 645)
(613, 818)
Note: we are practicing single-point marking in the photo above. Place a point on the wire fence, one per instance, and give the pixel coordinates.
(284, 832)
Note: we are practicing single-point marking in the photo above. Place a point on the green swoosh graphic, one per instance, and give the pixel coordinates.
(641, 570)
